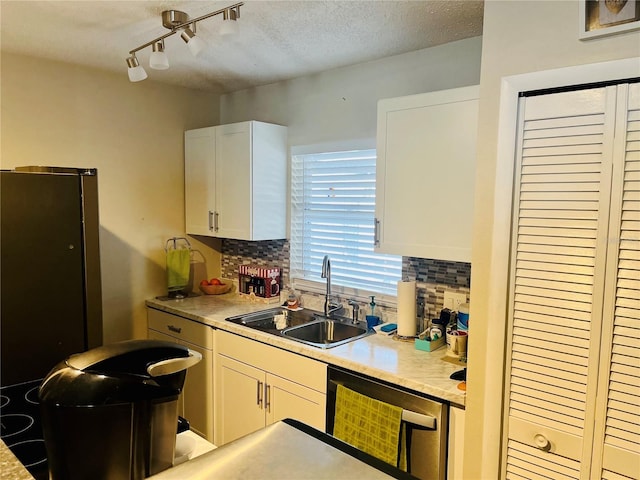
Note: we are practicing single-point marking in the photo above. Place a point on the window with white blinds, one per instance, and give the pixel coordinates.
(333, 209)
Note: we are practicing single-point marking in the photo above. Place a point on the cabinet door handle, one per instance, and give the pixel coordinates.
(174, 329)
(267, 397)
(210, 220)
(376, 232)
(215, 221)
(259, 393)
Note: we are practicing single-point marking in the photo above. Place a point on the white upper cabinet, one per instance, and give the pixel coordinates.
(235, 181)
(425, 174)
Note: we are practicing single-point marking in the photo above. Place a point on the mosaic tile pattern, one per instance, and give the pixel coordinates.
(269, 253)
(454, 274)
(433, 277)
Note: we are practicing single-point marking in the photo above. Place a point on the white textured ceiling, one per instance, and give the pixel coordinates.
(278, 40)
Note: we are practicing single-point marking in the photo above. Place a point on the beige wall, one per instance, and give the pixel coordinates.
(62, 115)
(519, 37)
(340, 106)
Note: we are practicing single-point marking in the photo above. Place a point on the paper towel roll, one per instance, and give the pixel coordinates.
(407, 308)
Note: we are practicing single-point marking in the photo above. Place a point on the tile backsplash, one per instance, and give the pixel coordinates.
(433, 277)
(267, 253)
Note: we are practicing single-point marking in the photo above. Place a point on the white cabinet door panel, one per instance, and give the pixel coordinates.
(198, 393)
(234, 180)
(199, 176)
(241, 390)
(291, 400)
(426, 174)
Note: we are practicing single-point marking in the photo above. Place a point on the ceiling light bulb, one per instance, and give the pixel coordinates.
(196, 44)
(158, 59)
(135, 70)
(229, 22)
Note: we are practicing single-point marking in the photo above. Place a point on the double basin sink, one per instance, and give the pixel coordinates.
(305, 326)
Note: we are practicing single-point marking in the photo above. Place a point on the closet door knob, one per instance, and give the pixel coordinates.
(542, 442)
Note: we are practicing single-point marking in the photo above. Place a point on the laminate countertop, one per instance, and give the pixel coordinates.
(287, 449)
(10, 466)
(379, 356)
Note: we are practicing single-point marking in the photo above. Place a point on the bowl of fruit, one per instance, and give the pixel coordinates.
(215, 286)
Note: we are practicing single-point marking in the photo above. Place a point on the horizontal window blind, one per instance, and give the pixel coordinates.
(333, 209)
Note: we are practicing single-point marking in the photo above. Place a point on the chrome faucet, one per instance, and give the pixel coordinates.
(330, 307)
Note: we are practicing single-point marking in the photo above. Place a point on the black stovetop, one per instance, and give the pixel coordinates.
(20, 427)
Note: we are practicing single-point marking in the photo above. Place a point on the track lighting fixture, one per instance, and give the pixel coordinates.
(196, 44)
(229, 23)
(179, 22)
(135, 70)
(158, 59)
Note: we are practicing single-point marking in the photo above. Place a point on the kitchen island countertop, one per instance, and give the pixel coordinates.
(285, 449)
(10, 466)
(379, 356)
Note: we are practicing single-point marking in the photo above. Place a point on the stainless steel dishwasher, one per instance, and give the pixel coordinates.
(426, 420)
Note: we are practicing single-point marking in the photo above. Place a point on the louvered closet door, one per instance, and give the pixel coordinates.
(558, 246)
(618, 419)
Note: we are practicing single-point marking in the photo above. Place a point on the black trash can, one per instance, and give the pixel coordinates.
(112, 412)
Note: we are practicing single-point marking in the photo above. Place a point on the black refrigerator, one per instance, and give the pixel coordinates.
(50, 287)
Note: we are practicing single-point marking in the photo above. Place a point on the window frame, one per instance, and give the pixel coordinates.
(319, 286)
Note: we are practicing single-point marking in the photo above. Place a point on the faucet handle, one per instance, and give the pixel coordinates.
(356, 307)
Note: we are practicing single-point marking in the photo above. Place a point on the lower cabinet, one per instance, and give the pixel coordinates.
(257, 385)
(456, 443)
(196, 401)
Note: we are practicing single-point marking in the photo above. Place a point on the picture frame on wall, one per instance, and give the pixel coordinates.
(608, 17)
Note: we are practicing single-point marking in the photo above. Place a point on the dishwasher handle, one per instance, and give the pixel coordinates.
(427, 421)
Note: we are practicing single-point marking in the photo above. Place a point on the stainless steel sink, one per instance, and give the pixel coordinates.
(265, 319)
(326, 333)
(305, 326)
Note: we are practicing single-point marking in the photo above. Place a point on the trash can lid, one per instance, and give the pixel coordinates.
(128, 357)
(118, 373)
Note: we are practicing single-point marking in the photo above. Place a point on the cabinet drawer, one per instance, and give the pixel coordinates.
(181, 328)
(294, 367)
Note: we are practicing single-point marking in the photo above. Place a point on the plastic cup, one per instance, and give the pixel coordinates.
(372, 321)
